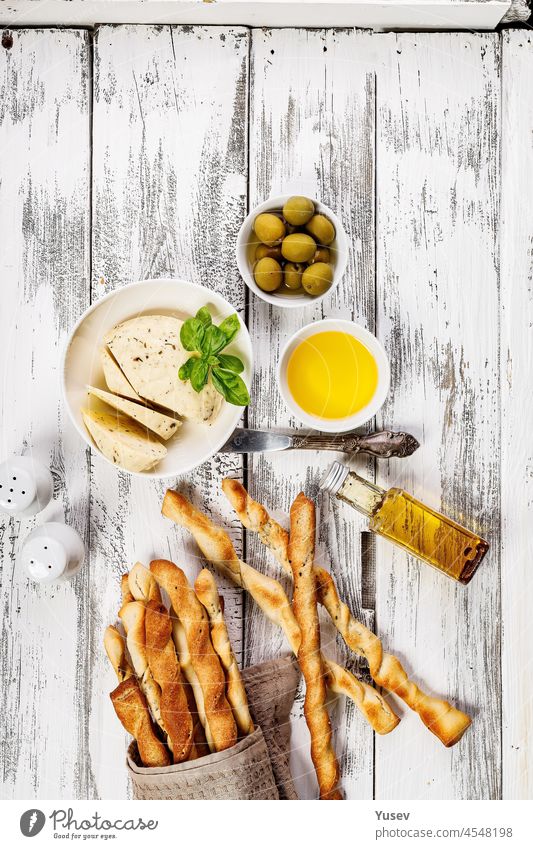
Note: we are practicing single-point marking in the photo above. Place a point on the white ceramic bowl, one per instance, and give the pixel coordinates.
(247, 244)
(376, 349)
(194, 443)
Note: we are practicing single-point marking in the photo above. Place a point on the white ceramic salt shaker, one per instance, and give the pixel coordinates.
(52, 552)
(26, 486)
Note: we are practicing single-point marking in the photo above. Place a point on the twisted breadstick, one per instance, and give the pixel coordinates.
(165, 668)
(271, 598)
(301, 556)
(125, 588)
(132, 615)
(193, 691)
(206, 590)
(116, 651)
(132, 710)
(142, 584)
(445, 721)
(220, 728)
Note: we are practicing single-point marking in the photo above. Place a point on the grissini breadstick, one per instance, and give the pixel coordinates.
(195, 697)
(132, 710)
(219, 724)
(125, 588)
(304, 603)
(271, 598)
(132, 615)
(166, 671)
(442, 719)
(116, 651)
(206, 589)
(142, 584)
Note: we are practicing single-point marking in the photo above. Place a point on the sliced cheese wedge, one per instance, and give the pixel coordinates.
(149, 352)
(164, 426)
(115, 378)
(123, 441)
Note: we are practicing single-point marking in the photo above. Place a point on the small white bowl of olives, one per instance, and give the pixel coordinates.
(292, 251)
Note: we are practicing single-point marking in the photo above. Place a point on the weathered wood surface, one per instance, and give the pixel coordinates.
(44, 272)
(401, 136)
(169, 190)
(438, 182)
(516, 359)
(312, 131)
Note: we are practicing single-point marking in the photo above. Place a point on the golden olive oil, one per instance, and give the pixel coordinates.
(332, 375)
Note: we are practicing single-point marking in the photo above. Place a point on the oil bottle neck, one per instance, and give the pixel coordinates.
(350, 487)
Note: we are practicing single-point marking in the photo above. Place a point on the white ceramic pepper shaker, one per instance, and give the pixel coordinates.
(26, 486)
(52, 552)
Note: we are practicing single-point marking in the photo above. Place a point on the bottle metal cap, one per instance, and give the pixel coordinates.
(334, 478)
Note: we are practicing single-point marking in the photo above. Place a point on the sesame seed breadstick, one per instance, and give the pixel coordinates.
(441, 718)
(268, 593)
(301, 556)
(207, 592)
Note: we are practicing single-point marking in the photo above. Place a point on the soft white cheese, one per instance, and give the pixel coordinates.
(149, 352)
(159, 423)
(123, 441)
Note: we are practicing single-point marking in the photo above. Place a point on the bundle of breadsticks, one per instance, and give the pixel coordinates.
(180, 692)
(295, 553)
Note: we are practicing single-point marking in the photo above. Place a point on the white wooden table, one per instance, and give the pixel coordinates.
(138, 156)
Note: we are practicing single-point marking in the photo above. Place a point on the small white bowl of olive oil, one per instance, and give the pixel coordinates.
(333, 375)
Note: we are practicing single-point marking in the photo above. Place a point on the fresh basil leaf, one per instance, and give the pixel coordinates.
(185, 371)
(205, 316)
(230, 327)
(199, 374)
(214, 340)
(192, 334)
(231, 386)
(231, 363)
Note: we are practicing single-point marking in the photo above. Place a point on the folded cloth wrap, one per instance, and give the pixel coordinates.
(257, 767)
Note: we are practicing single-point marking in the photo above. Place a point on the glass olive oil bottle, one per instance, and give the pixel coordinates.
(402, 519)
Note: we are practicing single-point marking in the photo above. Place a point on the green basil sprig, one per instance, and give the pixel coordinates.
(201, 336)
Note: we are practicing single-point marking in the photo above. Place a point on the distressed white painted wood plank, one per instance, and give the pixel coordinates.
(438, 179)
(169, 193)
(368, 14)
(44, 270)
(517, 413)
(312, 131)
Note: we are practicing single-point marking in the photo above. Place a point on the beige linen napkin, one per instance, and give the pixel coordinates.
(257, 767)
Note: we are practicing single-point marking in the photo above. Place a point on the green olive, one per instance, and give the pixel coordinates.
(269, 228)
(317, 278)
(321, 255)
(298, 210)
(268, 274)
(292, 275)
(264, 250)
(298, 247)
(321, 229)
